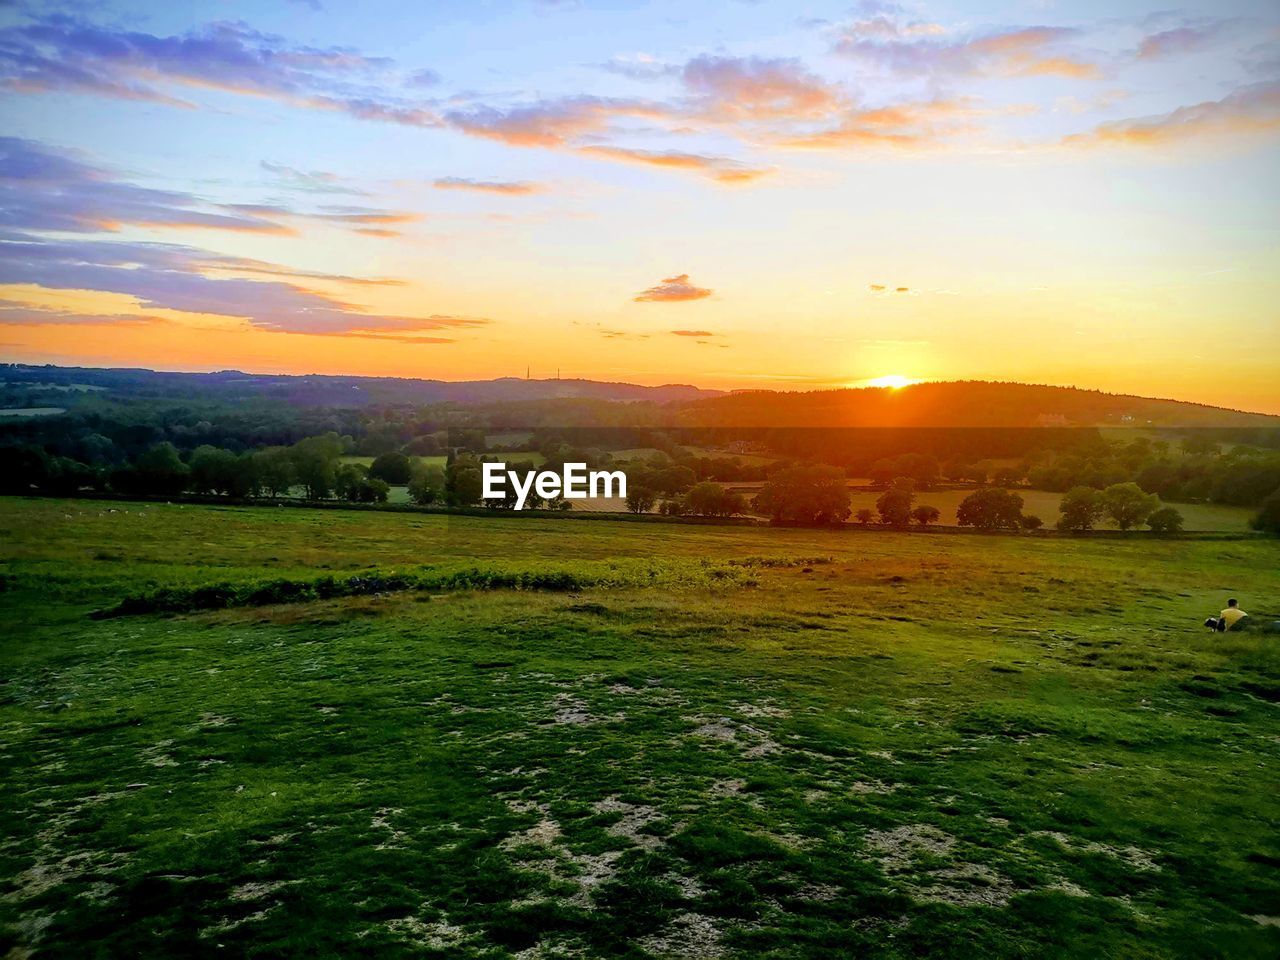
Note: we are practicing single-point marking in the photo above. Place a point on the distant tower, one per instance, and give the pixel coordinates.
(526, 373)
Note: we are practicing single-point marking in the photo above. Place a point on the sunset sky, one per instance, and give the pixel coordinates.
(742, 194)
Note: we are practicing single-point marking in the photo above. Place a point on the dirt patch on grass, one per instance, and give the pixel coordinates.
(727, 788)
(690, 936)
(751, 742)
(1135, 857)
(909, 854)
(572, 711)
(256, 891)
(900, 848)
(544, 833)
(966, 885)
(634, 817)
(439, 935)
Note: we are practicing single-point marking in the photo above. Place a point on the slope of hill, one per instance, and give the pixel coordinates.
(959, 404)
(942, 404)
(314, 390)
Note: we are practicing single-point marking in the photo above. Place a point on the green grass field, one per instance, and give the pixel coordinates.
(942, 746)
(1198, 517)
(1044, 504)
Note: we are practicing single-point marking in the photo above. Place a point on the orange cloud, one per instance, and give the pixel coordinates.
(913, 49)
(550, 123)
(907, 125)
(1061, 67)
(504, 187)
(693, 333)
(721, 169)
(751, 88)
(673, 290)
(1248, 111)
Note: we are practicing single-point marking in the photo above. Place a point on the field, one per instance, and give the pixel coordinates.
(18, 413)
(678, 741)
(1201, 517)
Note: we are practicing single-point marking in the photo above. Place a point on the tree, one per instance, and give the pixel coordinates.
(212, 470)
(395, 468)
(424, 446)
(991, 508)
(22, 467)
(463, 481)
(1127, 505)
(161, 470)
(315, 464)
(704, 499)
(640, 498)
(1081, 508)
(426, 486)
(1031, 522)
(1200, 445)
(241, 478)
(1165, 520)
(672, 480)
(811, 494)
(920, 467)
(882, 473)
(894, 505)
(274, 470)
(1268, 518)
(925, 514)
(66, 477)
(347, 479)
(864, 516)
(372, 490)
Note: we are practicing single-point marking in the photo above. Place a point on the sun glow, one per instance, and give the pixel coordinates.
(893, 381)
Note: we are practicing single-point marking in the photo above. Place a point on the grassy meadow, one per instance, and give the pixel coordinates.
(695, 742)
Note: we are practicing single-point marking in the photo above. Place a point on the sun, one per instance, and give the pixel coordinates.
(893, 381)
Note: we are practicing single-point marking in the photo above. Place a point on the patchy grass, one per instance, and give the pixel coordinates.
(952, 746)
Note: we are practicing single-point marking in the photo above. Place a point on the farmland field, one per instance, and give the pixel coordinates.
(1203, 517)
(678, 741)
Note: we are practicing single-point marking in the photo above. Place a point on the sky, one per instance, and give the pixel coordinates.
(786, 195)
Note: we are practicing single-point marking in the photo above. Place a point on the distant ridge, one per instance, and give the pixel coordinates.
(959, 403)
(341, 391)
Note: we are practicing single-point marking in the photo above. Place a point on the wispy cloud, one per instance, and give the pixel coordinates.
(20, 313)
(61, 52)
(721, 169)
(309, 181)
(44, 189)
(1189, 38)
(1247, 111)
(673, 290)
(512, 188)
(734, 89)
(889, 43)
(549, 123)
(693, 333)
(639, 66)
(177, 277)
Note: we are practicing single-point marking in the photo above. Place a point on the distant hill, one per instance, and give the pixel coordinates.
(315, 390)
(959, 404)
(949, 404)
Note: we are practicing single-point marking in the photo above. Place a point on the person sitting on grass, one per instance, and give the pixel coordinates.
(1231, 618)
